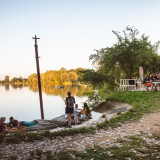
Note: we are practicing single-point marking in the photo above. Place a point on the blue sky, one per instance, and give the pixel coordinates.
(69, 31)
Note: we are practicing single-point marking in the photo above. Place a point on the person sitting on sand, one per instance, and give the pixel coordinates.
(3, 127)
(86, 112)
(13, 122)
(89, 115)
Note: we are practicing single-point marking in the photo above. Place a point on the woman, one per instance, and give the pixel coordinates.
(86, 112)
(69, 107)
(3, 128)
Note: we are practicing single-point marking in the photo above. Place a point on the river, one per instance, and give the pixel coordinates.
(22, 102)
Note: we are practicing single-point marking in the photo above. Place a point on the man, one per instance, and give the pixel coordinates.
(13, 122)
(69, 102)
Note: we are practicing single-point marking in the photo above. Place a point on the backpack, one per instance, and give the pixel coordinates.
(70, 102)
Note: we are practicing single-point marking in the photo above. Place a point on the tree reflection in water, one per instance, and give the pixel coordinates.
(15, 86)
(52, 90)
(62, 92)
(6, 87)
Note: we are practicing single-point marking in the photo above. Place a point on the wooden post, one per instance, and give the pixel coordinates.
(38, 74)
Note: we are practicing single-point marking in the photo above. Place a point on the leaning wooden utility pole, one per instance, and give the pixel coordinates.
(39, 79)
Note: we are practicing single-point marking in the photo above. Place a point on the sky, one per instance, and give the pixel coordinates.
(69, 31)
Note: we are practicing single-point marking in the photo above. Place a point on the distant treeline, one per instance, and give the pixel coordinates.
(60, 77)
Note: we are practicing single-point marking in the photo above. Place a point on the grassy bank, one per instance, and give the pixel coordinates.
(29, 137)
(143, 102)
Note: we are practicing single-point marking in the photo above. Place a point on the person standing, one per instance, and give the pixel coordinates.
(69, 107)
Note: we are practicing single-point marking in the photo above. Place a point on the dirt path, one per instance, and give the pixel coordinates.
(149, 123)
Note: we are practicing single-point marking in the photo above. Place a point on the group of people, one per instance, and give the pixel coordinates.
(72, 111)
(149, 79)
(14, 124)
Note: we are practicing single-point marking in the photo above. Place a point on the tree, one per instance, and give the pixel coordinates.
(73, 76)
(64, 77)
(62, 70)
(124, 58)
(33, 79)
(20, 79)
(13, 80)
(6, 79)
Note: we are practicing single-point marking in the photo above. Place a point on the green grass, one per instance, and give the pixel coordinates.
(143, 102)
(29, 137)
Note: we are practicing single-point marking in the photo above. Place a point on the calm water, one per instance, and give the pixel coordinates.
(23, 102)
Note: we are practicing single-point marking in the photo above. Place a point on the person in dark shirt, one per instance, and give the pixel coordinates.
(151, 78)
(69, 102)
(155, 77)
(13, 122)
(146, 79)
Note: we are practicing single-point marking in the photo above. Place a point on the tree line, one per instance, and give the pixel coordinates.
(60, 77)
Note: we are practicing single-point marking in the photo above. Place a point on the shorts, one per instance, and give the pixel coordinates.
(69, 110)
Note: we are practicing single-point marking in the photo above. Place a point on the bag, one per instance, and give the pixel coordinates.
(70, 102)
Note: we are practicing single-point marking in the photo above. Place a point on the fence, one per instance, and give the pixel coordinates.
(129, 83)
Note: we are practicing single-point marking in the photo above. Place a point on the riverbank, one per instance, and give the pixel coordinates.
(106, 110)
(135, 140)
(133, 135)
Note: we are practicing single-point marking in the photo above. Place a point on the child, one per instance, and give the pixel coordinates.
(76, 113)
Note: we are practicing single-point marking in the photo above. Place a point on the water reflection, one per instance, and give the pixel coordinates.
(6, 87)
(15, 86)
(51, 90)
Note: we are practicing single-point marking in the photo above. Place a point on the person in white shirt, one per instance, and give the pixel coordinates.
(76, 113)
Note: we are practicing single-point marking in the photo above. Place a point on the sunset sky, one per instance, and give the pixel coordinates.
(69, 31)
